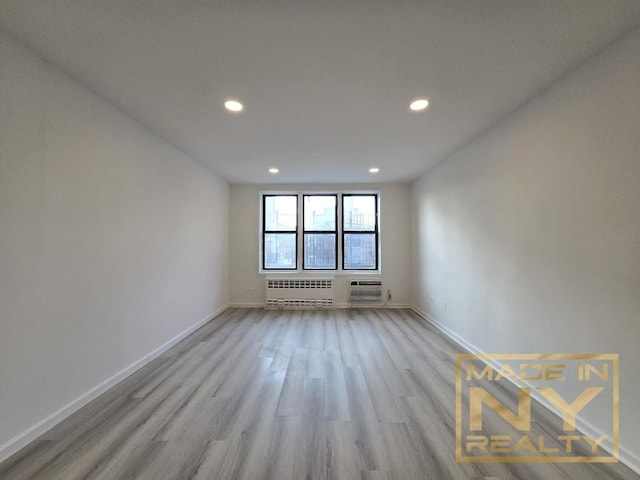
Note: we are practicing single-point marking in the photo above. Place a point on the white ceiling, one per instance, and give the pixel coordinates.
(326, 84)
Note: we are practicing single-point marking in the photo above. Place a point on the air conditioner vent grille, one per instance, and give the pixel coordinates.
(365, 291)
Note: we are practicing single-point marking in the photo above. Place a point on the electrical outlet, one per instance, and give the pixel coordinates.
(249, 291)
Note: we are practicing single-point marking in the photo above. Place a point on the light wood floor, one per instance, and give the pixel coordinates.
(255, 394)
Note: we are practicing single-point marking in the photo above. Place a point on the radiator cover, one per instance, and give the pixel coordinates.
(297, 293)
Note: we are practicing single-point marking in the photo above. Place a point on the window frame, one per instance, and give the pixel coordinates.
(375, 232)
(320, 232)
(279, 232)
(299, 232)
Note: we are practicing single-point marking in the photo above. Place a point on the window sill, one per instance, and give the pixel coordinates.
(319, 273)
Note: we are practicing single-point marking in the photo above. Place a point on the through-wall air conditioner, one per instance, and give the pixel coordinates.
(365, 291)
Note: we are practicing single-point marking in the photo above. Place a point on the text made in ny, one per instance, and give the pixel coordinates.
(479, 396)
(536, 371)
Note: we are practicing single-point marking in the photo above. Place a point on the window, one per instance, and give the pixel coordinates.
(320, 236)
(359, 232)
(320, 231)
(280, 232)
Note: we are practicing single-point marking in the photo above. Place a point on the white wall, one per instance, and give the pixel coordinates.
(531, 233)
(112, 243)
(395, 235)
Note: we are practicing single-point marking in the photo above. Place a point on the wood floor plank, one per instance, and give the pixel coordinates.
(336, 397)
(315, 363)
(290, 402)
(368, 444)
(260, 395)
(341, 440)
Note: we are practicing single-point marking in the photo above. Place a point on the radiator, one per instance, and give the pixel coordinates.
(300, 293)
(365, 291)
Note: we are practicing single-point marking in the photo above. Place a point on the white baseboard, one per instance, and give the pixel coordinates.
(337, 305)
(247, 305)
(625, 456)
(373, 305)
(27, 436)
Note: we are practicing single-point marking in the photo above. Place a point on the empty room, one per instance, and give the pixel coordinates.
(288, 240)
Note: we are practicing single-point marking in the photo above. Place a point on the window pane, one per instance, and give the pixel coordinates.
(359, 212)
(280, 250)
(319, 251)
(280, 212)
(360, 251)
(320, 212)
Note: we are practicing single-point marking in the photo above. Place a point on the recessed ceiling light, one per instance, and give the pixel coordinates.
(374, 170)
(273, 170)
(233, 106)
(419, 104)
